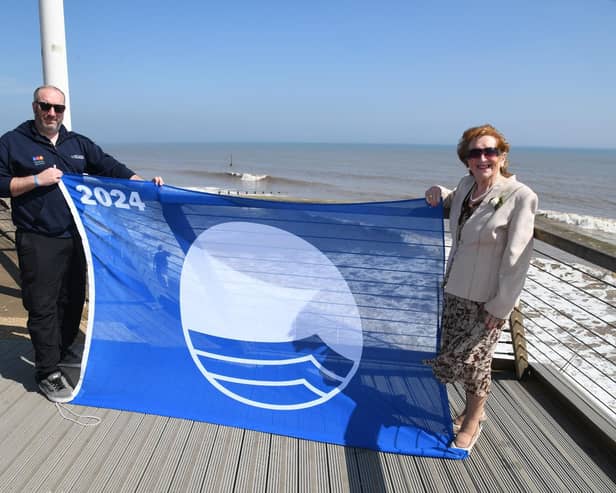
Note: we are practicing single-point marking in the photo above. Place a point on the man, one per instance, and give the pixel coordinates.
(33, 158)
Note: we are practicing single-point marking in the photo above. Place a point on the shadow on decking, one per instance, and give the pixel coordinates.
(599, 448)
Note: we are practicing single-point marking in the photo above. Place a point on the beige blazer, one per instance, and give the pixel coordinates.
(490, 262)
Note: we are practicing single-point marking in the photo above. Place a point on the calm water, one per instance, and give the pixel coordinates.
(577, 186)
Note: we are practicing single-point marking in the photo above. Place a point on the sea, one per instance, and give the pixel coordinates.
(576, 187)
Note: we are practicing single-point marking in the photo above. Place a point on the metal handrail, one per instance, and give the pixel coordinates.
(566, 335)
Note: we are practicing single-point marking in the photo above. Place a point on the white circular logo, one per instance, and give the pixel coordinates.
(267, 317)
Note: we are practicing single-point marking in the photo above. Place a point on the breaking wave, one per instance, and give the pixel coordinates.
(603, 224)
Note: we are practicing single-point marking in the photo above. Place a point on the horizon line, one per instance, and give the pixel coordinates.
(340, 143)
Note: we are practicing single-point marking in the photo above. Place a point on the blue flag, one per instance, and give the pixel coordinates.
(301, 319)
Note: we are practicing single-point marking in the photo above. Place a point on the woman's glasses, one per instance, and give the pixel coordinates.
(489, 152)
(58, 108)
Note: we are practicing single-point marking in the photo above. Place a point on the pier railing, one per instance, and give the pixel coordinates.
(564, 329)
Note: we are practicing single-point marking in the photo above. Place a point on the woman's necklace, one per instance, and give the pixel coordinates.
(476, 200)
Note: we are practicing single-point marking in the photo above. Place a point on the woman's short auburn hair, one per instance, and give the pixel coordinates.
(475, 132)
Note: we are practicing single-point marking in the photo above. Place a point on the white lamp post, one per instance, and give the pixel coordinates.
(53, 49)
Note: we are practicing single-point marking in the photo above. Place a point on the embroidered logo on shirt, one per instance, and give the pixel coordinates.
(38, 160)
(78, 156)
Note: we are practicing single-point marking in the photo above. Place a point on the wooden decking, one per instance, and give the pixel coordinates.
(532, 442)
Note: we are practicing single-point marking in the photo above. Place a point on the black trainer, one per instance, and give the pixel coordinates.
(55, 387)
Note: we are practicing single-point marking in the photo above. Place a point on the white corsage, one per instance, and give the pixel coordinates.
(497, 202)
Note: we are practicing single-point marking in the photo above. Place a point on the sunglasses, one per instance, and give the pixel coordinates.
(489, 152)
(58, 108)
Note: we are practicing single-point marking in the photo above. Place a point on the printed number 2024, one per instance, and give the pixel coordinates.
(115, 198)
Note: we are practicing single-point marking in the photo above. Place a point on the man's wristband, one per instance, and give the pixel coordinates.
(36, 182)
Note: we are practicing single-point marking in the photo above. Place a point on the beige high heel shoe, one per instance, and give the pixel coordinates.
(457, 422)
(471, 444)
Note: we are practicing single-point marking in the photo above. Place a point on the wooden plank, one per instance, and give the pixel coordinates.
(340, 461)
(282, 474)
(313, 474)
(518, 341)
(555, 445)
(533, 445)
(13, 369)
(372, 475)
(431, 477)
(25, 409)
(508, 470)
(352, 467)
(253, 464)
(222, 469)
(487, 468)
(129, 471)
(403, 472)
(480, 471)
(67, 455)
(195, 460)
(34, 448)
(112, 454)
(161, 467)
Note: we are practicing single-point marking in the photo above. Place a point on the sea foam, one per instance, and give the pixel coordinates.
(603, 224)
(247, 176)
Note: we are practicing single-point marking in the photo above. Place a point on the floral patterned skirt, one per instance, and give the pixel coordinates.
(467, 346)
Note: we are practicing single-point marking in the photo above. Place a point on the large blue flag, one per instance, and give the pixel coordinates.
(301, 319)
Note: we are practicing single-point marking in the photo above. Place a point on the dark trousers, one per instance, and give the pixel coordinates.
(53, 280)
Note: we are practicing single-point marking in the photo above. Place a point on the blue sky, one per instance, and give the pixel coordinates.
(413, 71)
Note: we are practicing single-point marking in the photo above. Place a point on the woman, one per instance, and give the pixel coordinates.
(491, 223)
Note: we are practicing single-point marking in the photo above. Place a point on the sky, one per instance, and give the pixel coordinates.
(411, 71)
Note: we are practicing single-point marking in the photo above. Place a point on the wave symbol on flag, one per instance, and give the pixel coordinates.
(267, 317)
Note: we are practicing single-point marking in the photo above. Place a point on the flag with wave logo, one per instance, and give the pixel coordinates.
(302, 319)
